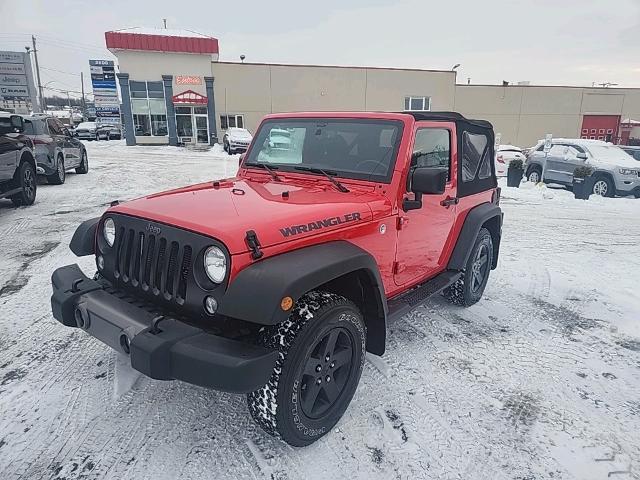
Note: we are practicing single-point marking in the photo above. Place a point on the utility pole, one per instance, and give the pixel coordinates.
(35, 56)
(84, 104)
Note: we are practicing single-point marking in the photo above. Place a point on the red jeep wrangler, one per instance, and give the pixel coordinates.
(276, 282)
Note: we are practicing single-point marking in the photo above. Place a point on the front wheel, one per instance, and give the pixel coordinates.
(603, 186)
(321, 349)
(26, 180)
(470, 287)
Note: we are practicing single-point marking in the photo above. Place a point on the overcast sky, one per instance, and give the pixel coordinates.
(573, 42)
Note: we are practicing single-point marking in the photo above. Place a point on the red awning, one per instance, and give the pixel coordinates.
(190, 97)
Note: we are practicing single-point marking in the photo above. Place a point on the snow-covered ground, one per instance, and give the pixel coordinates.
(541, 379)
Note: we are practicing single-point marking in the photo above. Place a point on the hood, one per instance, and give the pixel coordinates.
(226, 210)
(612, 155)
(240, 135)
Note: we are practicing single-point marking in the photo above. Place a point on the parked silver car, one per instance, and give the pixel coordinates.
(615, 172)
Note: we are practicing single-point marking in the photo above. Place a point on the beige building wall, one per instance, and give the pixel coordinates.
(524, 114)
(254, 90)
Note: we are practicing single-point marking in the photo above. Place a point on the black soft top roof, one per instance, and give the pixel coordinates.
(450, 117)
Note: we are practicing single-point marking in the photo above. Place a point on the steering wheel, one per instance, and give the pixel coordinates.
(376, 162)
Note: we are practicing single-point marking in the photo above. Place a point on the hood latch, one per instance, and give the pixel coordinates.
(254, 245)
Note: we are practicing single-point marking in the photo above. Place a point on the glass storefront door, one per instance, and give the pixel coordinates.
(202, 130)
(192, 125)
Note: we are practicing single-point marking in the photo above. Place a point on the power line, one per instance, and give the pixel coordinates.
(60, 71)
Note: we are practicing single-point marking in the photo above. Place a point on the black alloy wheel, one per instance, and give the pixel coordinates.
(326, 372)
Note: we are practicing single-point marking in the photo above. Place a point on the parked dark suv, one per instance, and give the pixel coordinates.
(56, 149)
(17, 163)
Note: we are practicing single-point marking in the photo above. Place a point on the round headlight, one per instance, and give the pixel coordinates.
(215, 264)
(109, 231)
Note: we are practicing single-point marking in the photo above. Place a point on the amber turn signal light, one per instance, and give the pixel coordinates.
(286, 303)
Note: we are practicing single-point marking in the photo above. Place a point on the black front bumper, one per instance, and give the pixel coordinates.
(170, 350)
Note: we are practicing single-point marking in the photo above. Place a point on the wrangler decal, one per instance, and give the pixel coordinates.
(317, 225)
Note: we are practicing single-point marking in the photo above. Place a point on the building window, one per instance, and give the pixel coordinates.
(417, 104)
(231, 120)
(585, 131)
(610, 130)
(148, 108)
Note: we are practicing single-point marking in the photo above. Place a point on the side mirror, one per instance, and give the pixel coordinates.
(17, 122)
(581, 156)
(427, 181)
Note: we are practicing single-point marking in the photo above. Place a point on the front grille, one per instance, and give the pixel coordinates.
(152, 263)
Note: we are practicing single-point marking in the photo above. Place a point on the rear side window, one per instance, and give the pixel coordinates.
(432, 148)
(54, 129)
(475, 157)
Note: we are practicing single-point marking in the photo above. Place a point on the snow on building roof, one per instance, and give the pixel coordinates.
(163, 32)
(629, 121)
(161, 40)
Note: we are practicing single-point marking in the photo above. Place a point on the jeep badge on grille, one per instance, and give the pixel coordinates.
(151, 228)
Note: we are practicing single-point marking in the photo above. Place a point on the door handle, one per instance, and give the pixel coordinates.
(447, 202)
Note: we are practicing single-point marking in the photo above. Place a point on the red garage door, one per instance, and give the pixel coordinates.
(600, 127)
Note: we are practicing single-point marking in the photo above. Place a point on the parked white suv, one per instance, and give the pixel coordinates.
(615, 171)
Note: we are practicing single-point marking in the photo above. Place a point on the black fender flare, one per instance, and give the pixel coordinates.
(84, 238)
(256, 293)
(474, 220)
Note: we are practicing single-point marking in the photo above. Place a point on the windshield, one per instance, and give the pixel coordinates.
(349, 148)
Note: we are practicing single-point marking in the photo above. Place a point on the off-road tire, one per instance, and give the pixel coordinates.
(279, 407)
(537, 170)
(466, 291)
(610, 187)
(58, 177)
(84, 164)
(25, 179)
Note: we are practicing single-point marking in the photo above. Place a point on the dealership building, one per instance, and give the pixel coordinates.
(174, 91)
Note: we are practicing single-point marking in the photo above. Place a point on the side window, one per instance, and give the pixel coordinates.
(475, 157)
(432, 148)
(53, 127)
(558, 150)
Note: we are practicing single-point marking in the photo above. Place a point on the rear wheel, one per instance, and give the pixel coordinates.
(470, 287)
(321, 350)
(58, 177)
(26, 180)
(84, 163)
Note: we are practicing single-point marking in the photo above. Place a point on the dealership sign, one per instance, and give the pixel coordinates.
(12, 57)
(104, 100)
(16, 78)
(188, 80)
(12, 69)
(105, 92)
(13, 92)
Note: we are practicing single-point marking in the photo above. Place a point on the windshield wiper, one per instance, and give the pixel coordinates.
(269, 169)
(328, 174)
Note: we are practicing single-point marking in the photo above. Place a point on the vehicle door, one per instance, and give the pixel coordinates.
(423, 233)
(8, 156)
(554, 167)
(570, 163)
(71, 147)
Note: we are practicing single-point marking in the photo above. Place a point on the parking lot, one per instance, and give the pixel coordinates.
(541, 379)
